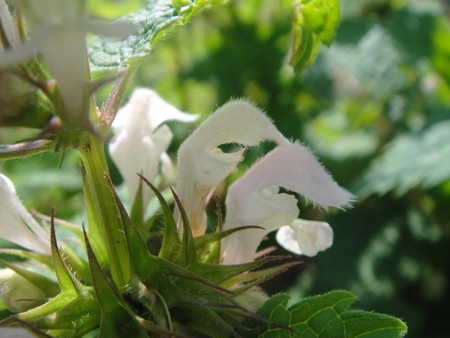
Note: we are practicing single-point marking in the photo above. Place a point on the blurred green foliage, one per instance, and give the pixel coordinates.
(374, 107)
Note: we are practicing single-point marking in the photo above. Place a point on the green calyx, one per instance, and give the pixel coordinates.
(169, 294)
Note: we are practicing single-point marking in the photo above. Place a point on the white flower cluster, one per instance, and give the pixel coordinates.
(254, 199)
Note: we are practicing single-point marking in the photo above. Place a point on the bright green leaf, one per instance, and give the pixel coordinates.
(322, 16)
(314, 21)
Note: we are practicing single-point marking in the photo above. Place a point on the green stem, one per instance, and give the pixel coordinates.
(109, 223)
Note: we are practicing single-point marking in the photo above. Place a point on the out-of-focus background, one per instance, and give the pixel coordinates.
(374, 108)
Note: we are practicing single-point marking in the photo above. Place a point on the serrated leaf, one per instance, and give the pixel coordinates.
(157, 19)
(410, 160)
(326, 316)
(314, 21)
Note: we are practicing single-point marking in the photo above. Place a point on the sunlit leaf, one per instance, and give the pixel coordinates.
(314, 22)
(157, 19)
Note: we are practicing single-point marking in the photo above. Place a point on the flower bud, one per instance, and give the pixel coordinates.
(17, 293)
(23, 105)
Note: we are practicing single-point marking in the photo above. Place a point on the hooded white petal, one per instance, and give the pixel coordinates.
(250, 202)
(305, 237)
(16, 224)
(202, 166)
(139, 145)
(65, 52)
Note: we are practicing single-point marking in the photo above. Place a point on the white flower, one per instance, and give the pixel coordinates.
(304, 237)
(202, 166)
(59, 29)
(254, 200)
(141, 138)
(16, 224)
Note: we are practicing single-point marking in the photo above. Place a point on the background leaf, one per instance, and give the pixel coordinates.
(411, 160)
(157, 19)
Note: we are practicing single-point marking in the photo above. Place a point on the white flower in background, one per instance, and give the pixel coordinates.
(59, 29)
(254, 200)
(141, 139)
(202, 166)
(16, 224)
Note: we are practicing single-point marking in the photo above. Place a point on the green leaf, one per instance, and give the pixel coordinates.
(325, 316)
(171, 244)
(117, 318)
(314, 21)
(410, 160)
(137, 210)
(157, 19)
(322, 16)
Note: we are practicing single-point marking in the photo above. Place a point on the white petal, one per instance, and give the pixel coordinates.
(119, 28)
(65, 52)
(147, 110)
(50, 11)
(22, 52)
(15, 332)
(139, 144)
(286, 237)
(16, 224)
(167, 168)
(202, 166)
(249, 202)
(305, 237)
